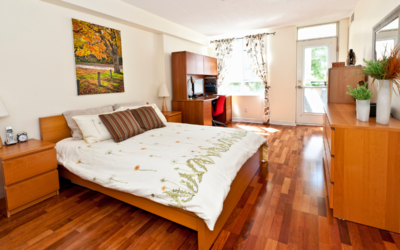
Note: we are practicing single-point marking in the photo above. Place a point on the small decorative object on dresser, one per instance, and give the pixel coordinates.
(22, 137)
(30, 175)
(351, 58)
(3, 112)
(363, 97)
(387, 71)
(173, 116)
(163, 93)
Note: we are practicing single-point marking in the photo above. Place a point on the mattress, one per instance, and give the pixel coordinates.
(186, 166)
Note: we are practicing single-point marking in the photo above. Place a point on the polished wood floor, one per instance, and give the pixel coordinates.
(285, 207)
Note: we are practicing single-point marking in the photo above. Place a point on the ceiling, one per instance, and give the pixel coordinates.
(216, 17)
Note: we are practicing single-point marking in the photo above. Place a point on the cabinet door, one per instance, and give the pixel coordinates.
(190, 63)
(199, 64)
(210, 65)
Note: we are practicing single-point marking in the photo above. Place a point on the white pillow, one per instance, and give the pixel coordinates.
(158, 111)
(92, 128)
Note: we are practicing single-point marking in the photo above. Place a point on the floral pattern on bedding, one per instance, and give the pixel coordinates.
(186, 166)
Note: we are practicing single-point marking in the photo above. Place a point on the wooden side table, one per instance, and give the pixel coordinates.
(30, 175)
(173, 116)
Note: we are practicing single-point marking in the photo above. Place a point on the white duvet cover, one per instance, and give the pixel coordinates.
(181, 165)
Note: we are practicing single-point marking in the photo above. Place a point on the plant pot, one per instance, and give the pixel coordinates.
(383, 102)
(362, 107)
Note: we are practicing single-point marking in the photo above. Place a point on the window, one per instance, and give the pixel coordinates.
(241, 79)
(383, 47)
(325, 30)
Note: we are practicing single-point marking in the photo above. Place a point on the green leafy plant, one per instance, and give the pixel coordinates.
(386, 68)
(359, 92)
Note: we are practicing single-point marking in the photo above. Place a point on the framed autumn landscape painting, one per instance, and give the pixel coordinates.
(98, 58)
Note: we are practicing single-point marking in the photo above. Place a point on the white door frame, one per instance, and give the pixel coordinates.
(302, 118)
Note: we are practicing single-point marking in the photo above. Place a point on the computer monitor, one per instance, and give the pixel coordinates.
(198, 87)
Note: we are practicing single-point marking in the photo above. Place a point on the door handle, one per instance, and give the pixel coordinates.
(299, 87)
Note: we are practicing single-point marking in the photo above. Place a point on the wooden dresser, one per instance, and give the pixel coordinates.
(30, 175)
(362, 168)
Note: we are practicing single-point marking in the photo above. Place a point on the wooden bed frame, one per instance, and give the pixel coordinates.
(55, 128)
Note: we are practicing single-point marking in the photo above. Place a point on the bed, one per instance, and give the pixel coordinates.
(55, 129)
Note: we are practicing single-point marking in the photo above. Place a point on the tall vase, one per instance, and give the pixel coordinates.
(383, 102)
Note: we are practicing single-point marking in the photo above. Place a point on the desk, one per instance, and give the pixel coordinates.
(199, 110)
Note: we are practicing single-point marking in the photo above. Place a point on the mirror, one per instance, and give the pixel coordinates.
(386, 34)
(386, 39)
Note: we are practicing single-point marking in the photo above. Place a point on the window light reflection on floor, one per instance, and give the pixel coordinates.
(270, 130)
(258, 130)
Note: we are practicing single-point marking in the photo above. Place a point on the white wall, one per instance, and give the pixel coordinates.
(343, 39)
(254, 105)
(172, 44)
(38, 68)
(282, 75)
(122, 12)
(366, 15)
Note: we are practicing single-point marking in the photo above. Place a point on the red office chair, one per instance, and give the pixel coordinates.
(218, 108)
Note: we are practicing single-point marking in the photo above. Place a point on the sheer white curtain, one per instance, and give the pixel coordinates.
(256, 51)
(224, 50)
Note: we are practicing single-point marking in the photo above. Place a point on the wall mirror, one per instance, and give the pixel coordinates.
(386, 34)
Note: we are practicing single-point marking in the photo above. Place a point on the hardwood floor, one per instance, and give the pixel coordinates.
(283, 208)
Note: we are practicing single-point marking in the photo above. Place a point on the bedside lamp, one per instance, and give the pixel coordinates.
(163, 93)
(3, 112)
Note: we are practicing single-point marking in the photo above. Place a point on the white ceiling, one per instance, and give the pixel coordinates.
(216, 17)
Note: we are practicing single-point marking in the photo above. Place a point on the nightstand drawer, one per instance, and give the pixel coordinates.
(22, 168)
(32, 189)
(175, 118)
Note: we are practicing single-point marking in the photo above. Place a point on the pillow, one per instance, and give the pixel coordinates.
(75, 132)
(127, 104)
(92, 128)
(159, 113)
(147, 118)
(121, 125)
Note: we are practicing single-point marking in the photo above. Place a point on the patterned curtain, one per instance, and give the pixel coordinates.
(256, 51)
(224, 49)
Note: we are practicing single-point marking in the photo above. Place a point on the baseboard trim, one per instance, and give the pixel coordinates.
(260, 121)
(247, 120)
(283, 123)
(310, 124)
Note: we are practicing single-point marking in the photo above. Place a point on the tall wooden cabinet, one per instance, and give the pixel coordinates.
(339, 78)
(362, 168)
(197, 110)
(186, 64)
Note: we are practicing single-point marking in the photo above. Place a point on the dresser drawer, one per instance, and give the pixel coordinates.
(329, 134)
(330, 193)
(32, 189)
(22, 168)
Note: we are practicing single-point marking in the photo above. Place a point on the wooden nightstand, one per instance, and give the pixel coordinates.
(173, 116)
(30, 175)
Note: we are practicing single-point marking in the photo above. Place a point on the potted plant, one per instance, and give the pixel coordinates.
(363, 97)
(387, 72)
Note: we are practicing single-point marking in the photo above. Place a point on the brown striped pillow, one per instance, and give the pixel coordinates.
(122, 125)
(147, 118)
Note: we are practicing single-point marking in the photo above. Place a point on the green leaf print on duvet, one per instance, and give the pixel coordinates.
(190, 179)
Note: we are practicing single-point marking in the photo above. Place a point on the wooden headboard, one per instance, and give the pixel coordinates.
(54, 128)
